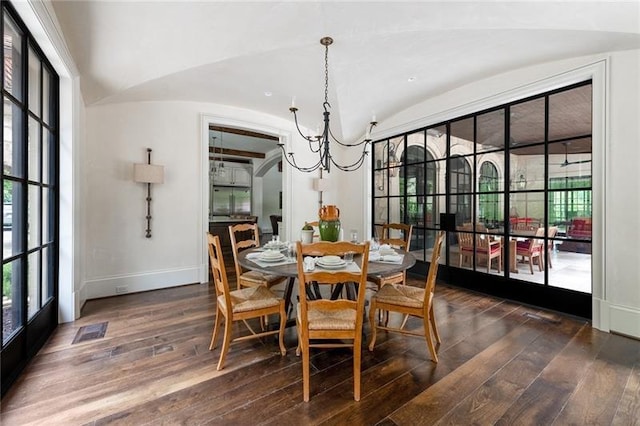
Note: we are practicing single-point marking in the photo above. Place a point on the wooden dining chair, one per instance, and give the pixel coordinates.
(397, 235)
(246, 278)
(532, 249)
(553, 230)
(240, 305)
(409, 300)
(326, 323)
(485, 248)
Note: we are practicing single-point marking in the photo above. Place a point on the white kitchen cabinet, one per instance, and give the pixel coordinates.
(230, 175)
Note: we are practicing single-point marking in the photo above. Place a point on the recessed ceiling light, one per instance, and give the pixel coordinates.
(267, 94)
(411, 79)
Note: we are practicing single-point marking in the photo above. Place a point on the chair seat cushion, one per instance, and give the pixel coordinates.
(397, 277)
(402, 295)
(255, 278)
(483, 250)
(248, 299)
(321, 319)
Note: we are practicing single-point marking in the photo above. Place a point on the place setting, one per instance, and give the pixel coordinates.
(385, 254)
(271, 257)
(331, 263)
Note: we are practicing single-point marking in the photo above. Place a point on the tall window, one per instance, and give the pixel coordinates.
(460, 176)
(30, 194)
(489, 200)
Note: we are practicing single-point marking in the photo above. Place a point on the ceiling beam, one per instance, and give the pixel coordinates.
(243, 132)
(236, 152)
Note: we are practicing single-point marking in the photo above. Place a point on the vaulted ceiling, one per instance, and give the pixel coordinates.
(386, 56)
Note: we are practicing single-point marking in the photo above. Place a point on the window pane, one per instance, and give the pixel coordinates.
(490, 132)
(33, 284)
(33, 231)
(381, 182)
(569, 159)
(46, 96)
(47, 275)
(527, 212)
(415, 211)
(527, 123)
(570, 113)
(34, 150)
(34, 83)
(488, 180)
(415, 148)
(491, 212)
(396, 209)
(381, 211)
(527, 168)
(437, 142)
(46, 226)
(46, 144)
(11, 219)
(462, 136)
(12, 58)
(415, 179)
(12, 139)
(460, 174)
(11, 296)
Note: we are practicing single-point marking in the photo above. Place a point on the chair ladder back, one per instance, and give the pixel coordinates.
(217, 267)
(238, 245)
(389, 238)
(433, 267)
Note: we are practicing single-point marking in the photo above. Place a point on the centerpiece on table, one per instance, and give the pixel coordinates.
(329, 223)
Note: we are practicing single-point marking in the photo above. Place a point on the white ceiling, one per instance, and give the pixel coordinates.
(233, 52)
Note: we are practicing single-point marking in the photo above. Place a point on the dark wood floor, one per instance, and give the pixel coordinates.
(500, 363)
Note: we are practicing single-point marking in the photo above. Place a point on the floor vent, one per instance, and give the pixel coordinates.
(542, 319)
(90, 332)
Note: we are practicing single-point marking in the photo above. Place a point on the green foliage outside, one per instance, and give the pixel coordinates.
(6, 280)
(6, 192)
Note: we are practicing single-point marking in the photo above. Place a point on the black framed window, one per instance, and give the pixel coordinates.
(30, 93)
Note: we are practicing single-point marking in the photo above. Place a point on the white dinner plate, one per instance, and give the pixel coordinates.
(331, 260)
(336, 266)
(331, 265)
(272, 258)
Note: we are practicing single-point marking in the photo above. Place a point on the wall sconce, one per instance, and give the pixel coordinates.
(147, 173)
(389, 159)
(320, 185)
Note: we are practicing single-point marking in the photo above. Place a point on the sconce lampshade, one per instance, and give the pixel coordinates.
(320, 185)
(148, 173)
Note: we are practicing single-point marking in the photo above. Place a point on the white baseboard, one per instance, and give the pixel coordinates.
(624, 320)
(134, 283)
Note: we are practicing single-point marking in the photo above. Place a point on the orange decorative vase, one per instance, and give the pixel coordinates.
(329, 223)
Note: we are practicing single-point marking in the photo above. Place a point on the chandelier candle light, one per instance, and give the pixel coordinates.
(319, 144)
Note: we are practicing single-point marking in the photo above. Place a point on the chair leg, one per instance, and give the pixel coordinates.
(283, 323)
(216, 329)
(226, 342)
(357, 355)
(372, 322)
(432, 319)
(427, 334)
(531, 264)
(305, 372)
(549, 258)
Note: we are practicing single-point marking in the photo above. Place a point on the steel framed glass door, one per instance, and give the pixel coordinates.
(30, 197)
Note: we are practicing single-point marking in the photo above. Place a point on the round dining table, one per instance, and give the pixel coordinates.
(290, 270)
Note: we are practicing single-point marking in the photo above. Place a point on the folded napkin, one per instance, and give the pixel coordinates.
(389, 258)
(254, 255)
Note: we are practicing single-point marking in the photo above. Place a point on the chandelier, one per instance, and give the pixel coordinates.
(320, 143)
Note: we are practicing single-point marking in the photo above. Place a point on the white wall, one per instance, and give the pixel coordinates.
(116, 253)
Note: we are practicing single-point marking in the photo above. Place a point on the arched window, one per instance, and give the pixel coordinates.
(488, 199)
(460, 178)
